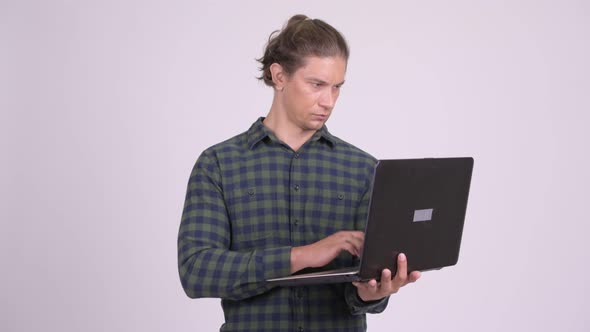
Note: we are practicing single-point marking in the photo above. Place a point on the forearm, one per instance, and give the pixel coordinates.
(214, 272)
(298, 259)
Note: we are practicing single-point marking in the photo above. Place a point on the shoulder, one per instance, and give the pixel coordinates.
(238, 144)
(353, 152)
(210, 159)
(230, 145)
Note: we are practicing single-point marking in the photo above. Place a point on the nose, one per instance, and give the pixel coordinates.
(328, 98)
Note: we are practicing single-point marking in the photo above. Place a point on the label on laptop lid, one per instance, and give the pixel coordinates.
(423, 215)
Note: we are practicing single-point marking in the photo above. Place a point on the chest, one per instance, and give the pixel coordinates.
(288, 198)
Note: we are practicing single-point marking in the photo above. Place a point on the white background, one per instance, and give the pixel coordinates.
(105, 106)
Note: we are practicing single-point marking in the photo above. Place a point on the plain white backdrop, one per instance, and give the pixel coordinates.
(105, 106)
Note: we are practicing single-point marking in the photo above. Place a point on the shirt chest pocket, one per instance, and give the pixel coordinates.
(329, 211)
(258, 217)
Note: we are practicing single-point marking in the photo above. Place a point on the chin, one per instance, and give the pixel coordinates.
(315, 125)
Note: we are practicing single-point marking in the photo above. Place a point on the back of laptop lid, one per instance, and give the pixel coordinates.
(417, 207)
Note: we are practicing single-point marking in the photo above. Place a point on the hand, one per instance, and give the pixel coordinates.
(324, 251)
(373, 290)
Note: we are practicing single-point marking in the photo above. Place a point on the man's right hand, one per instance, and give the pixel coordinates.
(324, 251)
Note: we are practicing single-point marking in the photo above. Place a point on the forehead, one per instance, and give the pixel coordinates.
(328, 69)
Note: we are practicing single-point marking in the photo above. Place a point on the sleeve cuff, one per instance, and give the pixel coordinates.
(276, 262)
(359, 307)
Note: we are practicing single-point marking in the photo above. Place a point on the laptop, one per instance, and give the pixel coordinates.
(417, 207)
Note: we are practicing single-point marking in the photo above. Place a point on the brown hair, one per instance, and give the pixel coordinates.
(299, 38)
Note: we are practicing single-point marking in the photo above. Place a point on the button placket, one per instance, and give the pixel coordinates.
(296, 213)
(299, 294)
(296, 185)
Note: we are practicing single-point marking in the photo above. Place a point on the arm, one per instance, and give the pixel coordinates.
(356, 305)
(207, 267)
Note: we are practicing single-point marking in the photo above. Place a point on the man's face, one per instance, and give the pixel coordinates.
(310, 93)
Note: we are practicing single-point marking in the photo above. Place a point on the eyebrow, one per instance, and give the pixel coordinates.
(317, 80)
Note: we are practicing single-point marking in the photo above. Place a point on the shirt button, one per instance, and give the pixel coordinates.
(296, 156)
(296, 187)
(300, 329)
(296, 222)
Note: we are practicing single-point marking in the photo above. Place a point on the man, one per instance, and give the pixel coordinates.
(284, 196)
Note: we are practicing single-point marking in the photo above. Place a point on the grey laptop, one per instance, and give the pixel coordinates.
(417, 207)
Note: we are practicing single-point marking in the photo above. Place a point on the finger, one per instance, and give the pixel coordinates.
(358, 248)
(360, 235)
(370, 285)
(386, 282)
(352, 242)
(357, 234)
(349, 246)
(357, 239)
(402, 269)
(414, 276)
(386, 275)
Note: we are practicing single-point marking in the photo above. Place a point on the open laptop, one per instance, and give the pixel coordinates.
(417, 207)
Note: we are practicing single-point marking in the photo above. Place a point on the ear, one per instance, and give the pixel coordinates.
(279, 77)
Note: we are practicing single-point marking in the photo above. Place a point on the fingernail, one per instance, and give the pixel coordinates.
(402, 257)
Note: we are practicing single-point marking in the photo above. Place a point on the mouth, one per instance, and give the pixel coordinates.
(322, 117)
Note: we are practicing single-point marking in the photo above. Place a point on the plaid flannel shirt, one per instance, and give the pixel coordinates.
(251, 199)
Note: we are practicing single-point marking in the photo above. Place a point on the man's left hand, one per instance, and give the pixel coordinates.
(373, 290)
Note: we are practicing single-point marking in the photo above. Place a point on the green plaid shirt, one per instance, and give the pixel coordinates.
(251, 199)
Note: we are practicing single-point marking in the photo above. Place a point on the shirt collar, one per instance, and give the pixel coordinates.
(258, 131)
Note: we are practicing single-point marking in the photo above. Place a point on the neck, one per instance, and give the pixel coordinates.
(287, 132)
